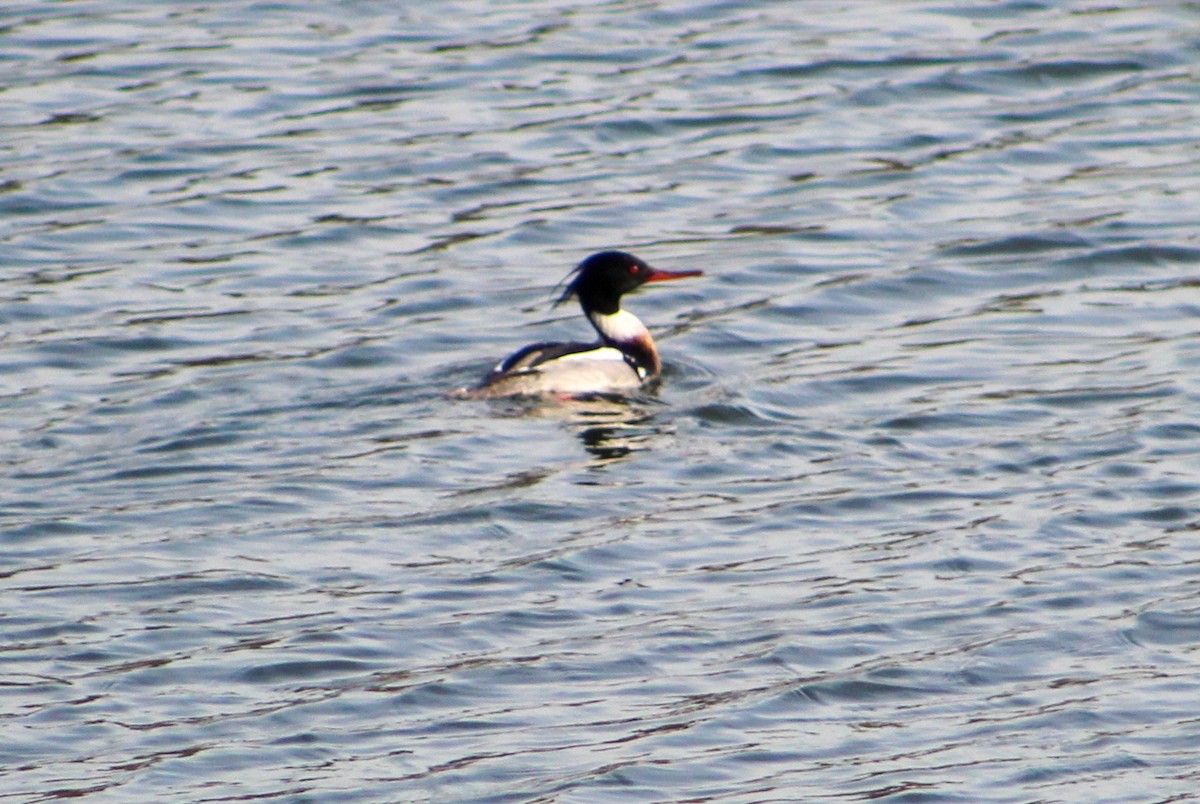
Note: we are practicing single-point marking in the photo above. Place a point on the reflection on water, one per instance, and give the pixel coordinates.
(912, 511)
(609, 442)
(608, 426)
(614, 430)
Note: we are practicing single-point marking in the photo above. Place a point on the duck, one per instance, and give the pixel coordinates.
(623, 359)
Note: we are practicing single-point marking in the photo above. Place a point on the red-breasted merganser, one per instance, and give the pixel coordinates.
(623, 359)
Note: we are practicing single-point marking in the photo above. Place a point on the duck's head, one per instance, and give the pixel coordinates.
(603, 278)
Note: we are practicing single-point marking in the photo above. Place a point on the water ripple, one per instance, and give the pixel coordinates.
(912, 514)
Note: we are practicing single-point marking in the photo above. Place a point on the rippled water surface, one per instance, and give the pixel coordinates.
(914, 515)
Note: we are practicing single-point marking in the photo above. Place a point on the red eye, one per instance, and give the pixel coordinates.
(632, 268)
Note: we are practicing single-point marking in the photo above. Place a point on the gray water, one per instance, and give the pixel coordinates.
(913, 516)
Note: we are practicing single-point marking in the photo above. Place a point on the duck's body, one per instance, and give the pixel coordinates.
(622, 360)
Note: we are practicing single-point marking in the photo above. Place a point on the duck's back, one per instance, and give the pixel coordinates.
(562, 368)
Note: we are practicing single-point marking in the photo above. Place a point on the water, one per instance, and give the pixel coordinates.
(912, 517)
